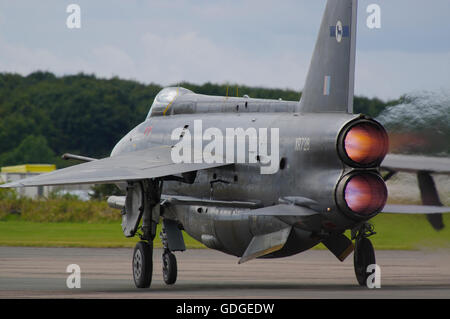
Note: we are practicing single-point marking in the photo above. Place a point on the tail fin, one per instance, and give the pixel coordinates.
(330, 84)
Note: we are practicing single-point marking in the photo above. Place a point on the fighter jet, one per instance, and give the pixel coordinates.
(259, 178)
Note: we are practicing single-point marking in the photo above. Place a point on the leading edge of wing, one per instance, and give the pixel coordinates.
(151, 163)
(414, 163)
(415, 209)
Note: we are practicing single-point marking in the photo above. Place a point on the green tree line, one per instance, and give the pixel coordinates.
(43, 116)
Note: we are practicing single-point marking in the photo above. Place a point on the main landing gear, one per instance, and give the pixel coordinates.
(364, 254)
(143, 264)
(143, 203)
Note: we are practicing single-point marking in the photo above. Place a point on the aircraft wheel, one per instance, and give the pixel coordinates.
(143, 264)
(169, 268)
(363, 256)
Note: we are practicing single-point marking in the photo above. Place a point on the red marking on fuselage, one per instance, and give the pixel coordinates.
(148, 130)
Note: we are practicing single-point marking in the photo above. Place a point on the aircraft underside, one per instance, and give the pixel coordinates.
(231, 230)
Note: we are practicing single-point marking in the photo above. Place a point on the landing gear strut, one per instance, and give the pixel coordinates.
(142, 202)
(364, 254)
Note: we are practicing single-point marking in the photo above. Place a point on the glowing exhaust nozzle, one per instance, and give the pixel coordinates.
(362, 194)
(365, 144)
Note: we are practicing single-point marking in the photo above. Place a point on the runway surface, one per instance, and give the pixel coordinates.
(27, 272)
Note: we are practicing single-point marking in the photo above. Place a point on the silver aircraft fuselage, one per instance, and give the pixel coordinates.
(311, 170)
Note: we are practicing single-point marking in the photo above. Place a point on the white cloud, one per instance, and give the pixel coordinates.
(23, 60)
(111, 61)
(190, 57)
(245, 42)
(389, 74)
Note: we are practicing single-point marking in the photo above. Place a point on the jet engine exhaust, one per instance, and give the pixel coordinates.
(362, 194)
(365, 194)
(364, 144)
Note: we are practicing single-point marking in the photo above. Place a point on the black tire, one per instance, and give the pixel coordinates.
(363, 256)
(169, 268)
(142, 264)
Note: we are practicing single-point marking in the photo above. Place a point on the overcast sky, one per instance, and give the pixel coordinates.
(260, 42)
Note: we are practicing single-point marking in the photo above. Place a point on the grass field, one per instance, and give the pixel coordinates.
(24, 233)
(393, 232)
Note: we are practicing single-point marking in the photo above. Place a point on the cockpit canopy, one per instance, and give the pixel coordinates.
(164, 99)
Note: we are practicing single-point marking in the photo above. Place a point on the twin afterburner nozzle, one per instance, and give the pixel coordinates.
(362, 145)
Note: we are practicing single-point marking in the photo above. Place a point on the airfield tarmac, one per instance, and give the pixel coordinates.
(27, 272)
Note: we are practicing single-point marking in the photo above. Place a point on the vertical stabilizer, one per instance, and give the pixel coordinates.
(330, 83)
